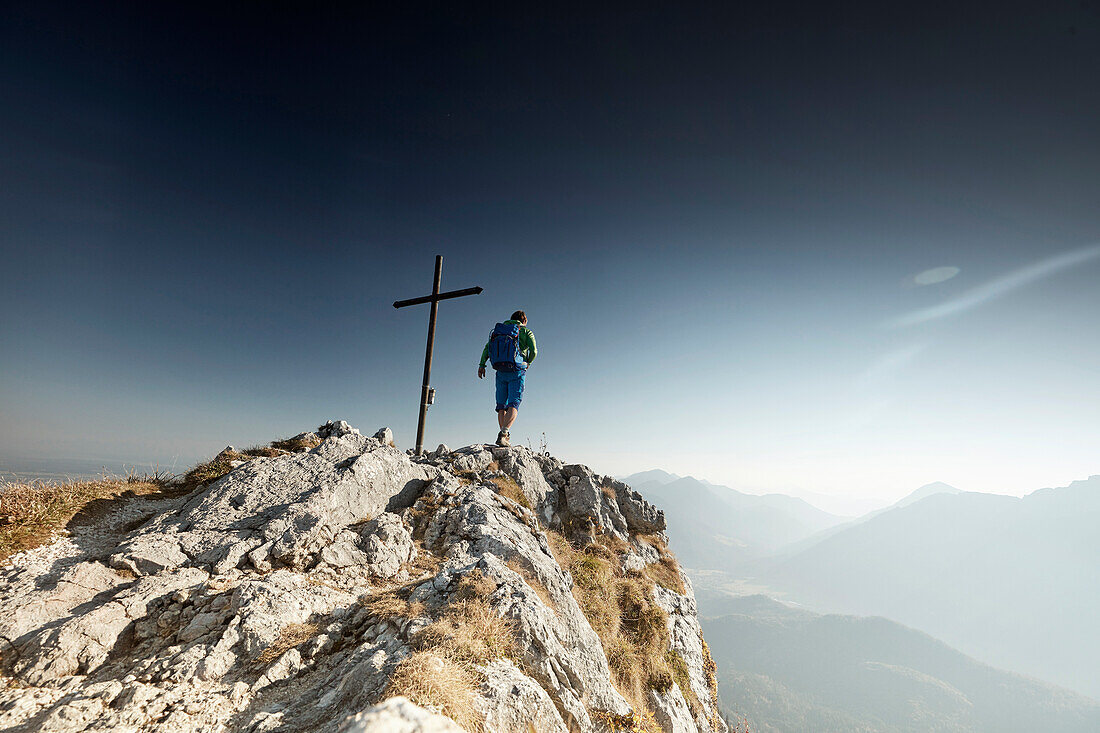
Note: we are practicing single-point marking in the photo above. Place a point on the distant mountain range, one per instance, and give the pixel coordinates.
(1012, 581)
(790, 670)
(913, 497)
(716, 527)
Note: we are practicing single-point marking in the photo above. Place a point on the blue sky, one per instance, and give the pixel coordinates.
(716, 243)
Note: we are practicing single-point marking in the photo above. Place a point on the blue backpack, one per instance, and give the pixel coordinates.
(504, 348)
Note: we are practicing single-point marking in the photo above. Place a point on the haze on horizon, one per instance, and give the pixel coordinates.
(842, 251)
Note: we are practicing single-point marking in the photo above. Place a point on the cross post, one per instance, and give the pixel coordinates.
(434, 299)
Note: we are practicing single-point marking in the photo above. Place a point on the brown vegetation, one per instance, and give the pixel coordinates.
(666, 573)
(433, 681)
(442, 672)
(474, 585)
(680, 674)
(620, 608)
(290, 636)
(640, 721)
(422, 512)
(391, 605)
(207, 473)
(32, 513)
(470, 632)
(263, 451)
(297, 444)
(710, 669)
(507, 486)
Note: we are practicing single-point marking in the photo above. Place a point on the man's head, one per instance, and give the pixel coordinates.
(520, 316)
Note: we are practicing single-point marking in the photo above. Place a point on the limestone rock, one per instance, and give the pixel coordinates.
(398, 715)
(286, 595)
(387, 545)
(510, 700)
(671, 711)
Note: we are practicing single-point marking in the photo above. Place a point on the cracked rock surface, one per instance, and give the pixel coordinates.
(285, 595)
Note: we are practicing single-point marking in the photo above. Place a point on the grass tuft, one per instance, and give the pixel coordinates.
(639, 721)
(474, 585)
(507, 486)
(470, 632)
(207, 473)
(290, 636)
(436, 682)
(391, 605)
(666, 573)
(297, 444)
(710, 669)
(263, 451)
(682, 678)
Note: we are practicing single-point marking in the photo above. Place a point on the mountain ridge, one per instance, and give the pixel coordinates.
(1010, 580)
(330, 581)
(791, 669)
(714, 526)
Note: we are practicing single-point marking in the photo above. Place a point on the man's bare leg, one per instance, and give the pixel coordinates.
(507, 417)
(500, 418)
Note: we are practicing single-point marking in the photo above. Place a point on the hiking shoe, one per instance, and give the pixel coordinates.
(502, 438)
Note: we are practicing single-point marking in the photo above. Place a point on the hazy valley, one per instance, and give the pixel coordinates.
(946, 592)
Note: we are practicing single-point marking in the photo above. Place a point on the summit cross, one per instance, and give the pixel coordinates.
(434, 298)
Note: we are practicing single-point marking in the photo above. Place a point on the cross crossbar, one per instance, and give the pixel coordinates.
(441, 296)
(434, 298)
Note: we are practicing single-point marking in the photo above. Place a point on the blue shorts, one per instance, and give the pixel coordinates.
(509, 389)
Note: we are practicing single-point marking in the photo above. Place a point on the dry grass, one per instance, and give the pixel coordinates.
(710, 669)
(32, 513)
(430, 680)
(290, 636)
(466, 478)
(424, 562)
(469, 633)
(620, 608)
(443, 673)
(507, 486)
(683, 680)
(391, 605)
(422, 512)
(207, 473)
(640, 721)
(263, 451)
(468, 630)
(474, 585)
(666, 573)
(297, 444)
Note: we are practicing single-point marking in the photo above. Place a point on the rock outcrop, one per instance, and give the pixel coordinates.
(354, 587)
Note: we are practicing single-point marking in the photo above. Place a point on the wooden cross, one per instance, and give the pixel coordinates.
(434, 299)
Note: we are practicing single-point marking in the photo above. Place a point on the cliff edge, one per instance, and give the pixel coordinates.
(339, 584)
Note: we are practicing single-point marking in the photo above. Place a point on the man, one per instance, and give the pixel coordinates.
(512, 349)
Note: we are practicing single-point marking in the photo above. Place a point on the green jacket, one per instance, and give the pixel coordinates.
(526, 342)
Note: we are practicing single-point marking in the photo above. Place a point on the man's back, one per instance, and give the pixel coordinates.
(510, 360)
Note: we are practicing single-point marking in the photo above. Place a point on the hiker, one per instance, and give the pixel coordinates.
(511, 348)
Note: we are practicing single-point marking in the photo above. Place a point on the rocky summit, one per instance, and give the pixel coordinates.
(344, 585)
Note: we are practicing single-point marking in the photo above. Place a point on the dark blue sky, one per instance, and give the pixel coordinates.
(711, 218)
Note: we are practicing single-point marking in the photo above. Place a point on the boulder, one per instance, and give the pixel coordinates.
(398, 715)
